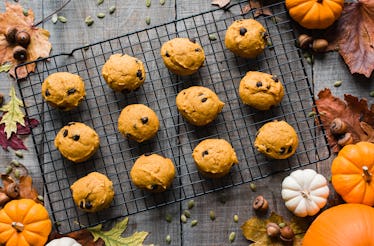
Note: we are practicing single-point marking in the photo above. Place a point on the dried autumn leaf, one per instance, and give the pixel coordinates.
(221, 3)
(254, 230)
(24, 187)
(354, 112)
(113, 237)
(353, 34)
(39, 46)
(257, 5)
(13, 114)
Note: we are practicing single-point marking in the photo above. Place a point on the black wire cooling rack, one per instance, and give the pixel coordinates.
(176, 139)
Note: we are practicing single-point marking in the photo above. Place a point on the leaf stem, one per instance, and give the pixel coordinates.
(54, 12)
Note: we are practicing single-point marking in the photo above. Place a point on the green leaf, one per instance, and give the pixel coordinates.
(113, 236)
(13, 114)
(6, 67)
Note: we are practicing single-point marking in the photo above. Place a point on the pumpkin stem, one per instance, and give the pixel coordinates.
(367, 175)
(18, 226)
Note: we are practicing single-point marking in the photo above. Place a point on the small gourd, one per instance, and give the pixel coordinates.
(352, 173)
(315, 14)
(305, 192)
(24, 222)
(64, 241)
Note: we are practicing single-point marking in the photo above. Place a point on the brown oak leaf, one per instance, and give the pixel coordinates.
(39, 46)
(259, 8)
(353, 35)
(355, 113)
(221, 3)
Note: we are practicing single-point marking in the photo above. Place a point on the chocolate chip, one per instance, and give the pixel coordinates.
(259, 84)
(47, 93)
(147, 154)
(204, 99)
(197, 50)
(275, 78)
(144, 120)
(205, 153)
(268, 87)
(265, 35)
(139, 74)
(242, 31)
(193, 40)
(282, 150)
(167, 54)
(76, 137)
(71, 91)
(289, 149)
(81, 204)
(88, 205)
(65, 133)
(154, 187)
(267, 150)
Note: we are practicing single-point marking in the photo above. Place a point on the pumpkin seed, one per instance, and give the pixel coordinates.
(19, 154)
(338, 83)
(212, 215)
(168, 218)
(187, 213)
(162, 2)
(41, 198)
(168, 239)
(191, 204)
(100, 15)
(8, 169)
(112, 9)
(86, 46)
(269, 43)
(282, 224)
(371, 93)
(212, 37)
(148, 20)
(62, 19)
(194, 223)
(309, 60)
(89, 21)
(236, 218)
(252, 186)
(25, 12)
(15, 163)
(54, 18)
(148, 3)
(311, 114)
(17, 173)
(232, 237)
(183, 218)
(99, 2)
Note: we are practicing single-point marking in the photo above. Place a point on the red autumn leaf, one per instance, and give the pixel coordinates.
(355, 113)
(14, 141)
(39, 46)
(353, 35)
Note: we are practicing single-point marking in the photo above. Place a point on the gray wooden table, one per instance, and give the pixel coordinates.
(128, 17)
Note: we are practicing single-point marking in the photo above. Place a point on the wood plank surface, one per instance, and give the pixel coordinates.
(129, 17)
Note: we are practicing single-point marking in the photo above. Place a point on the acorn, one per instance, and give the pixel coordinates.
(320, 45)
(22, 38)
(305, 41)
(10, 35)
(20, 53)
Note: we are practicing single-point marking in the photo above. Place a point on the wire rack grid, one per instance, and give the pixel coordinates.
(176, 139)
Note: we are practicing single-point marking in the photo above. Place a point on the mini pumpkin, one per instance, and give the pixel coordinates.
(305, 192)
(24, 222)
(315, 14)
(342, 225)
(352, 173)
(64, 241)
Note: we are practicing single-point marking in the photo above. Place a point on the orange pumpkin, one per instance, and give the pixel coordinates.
(315, 14)
(342, 225)
(352, 173)
(24, 223)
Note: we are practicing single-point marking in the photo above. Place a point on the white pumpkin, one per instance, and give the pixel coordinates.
(305, 192)
(64, 241)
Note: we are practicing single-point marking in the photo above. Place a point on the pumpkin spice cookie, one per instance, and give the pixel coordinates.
(214, 157)
(182, 56)
(261, 90)
(199, 105)
(153, 172)
(63, 90)
(138, 122)
(77, 141)
(277, 140)
(93, 192)
(246, 38)
(123, 73)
